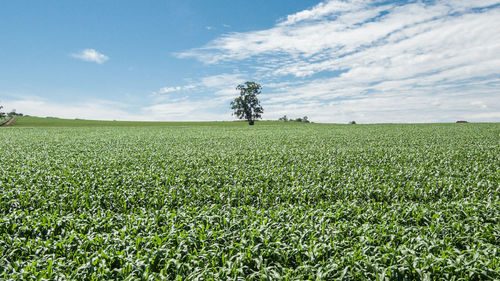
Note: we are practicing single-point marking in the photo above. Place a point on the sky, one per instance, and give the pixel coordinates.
(333, 61)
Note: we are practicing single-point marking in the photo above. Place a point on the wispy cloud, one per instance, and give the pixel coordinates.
(401, 55)
(220, 84)
(170, 109)
(85, 109)
(200, 109)
(91, 55)
(223, 84)
(208, 99)
(166, 90)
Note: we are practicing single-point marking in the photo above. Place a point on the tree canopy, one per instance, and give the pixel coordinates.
(247, 105)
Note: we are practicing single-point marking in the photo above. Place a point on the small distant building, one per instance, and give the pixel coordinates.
(462, 121)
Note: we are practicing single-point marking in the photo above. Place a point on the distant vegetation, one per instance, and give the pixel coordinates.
(14, 113)
(10, 114)
(304, 119)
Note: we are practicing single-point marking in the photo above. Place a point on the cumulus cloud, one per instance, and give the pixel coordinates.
(384, 55)
(91, 55)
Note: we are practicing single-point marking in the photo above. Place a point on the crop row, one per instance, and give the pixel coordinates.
(308, 202)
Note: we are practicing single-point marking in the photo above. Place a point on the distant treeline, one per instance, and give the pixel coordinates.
(14, 113)
(10, 114)
(304, 119)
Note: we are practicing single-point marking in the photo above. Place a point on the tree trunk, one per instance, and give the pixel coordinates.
(250, 122)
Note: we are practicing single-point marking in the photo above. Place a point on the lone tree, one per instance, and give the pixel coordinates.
(247, 105)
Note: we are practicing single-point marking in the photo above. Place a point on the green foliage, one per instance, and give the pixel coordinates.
(284, 118)
(14, 113)
(2, 114)
(281, 202)
(304, 119)
(247, 105)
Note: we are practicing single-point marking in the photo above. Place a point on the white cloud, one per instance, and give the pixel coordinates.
(208, 101)
(202, 109)
(169, 109)
(386, 57)
(86, 109)
(91, 55)
(166, 90)
(393, 108)
(223, 84)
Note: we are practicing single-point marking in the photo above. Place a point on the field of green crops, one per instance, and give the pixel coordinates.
(239, 202)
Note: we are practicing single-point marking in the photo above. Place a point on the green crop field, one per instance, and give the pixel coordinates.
(228, 201)
(29, 121)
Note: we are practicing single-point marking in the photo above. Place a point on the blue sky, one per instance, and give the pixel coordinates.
(334, 61)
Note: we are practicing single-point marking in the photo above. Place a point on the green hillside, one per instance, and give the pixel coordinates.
(31, 121)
